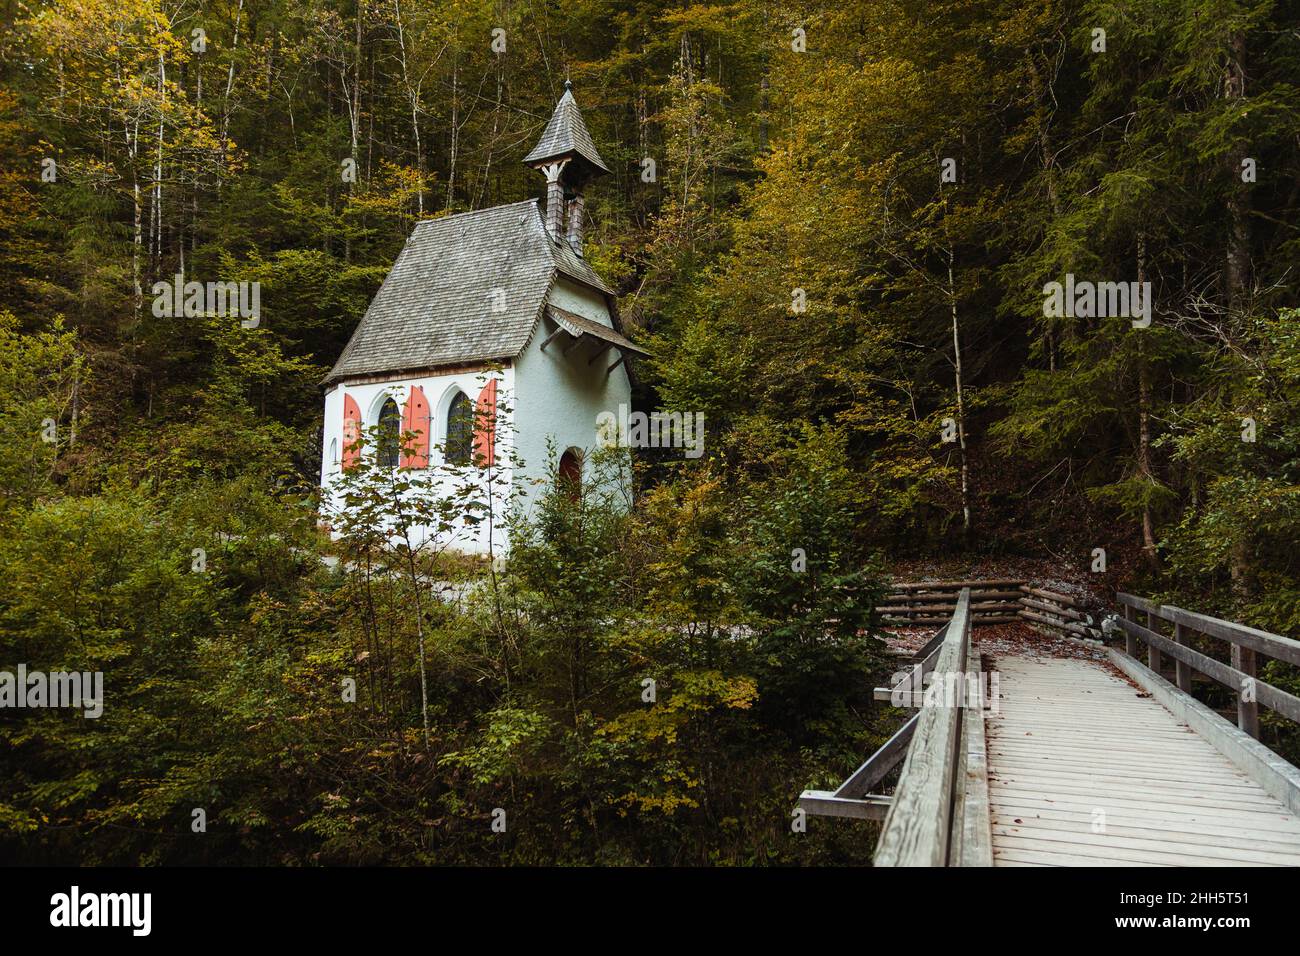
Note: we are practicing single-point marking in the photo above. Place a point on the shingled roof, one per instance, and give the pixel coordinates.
(566, 135)
(578, 325)
(436, 307)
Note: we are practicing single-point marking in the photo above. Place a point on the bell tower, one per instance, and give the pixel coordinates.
(568, 159)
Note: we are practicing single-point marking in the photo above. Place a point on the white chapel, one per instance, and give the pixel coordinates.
(491, 339)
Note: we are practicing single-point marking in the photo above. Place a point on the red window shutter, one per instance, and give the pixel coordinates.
(415, 418)
(485, 425)
(351, 433)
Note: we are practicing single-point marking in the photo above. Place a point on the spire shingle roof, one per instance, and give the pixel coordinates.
(566, 135)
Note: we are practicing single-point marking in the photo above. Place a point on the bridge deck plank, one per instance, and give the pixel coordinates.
(1084, 770)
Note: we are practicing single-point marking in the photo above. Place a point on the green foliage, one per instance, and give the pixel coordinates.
(741, 585)
(41, 376)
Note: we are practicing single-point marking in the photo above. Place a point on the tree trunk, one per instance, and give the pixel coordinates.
(137, 230)
(157, 238)
(1237, 266)
(194, 193)
(1048, 160)
(491, 146)
(961, 401)
(413, 100)
(1144, 427)
(354, 118)
(230, 85)
(1237, 277)
(455, 128)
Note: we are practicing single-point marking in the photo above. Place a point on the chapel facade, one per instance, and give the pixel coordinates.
(492, 340)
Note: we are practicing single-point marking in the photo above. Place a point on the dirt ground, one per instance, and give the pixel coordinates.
(1011, 640)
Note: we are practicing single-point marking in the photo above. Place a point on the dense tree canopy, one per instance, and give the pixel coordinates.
(833, 225)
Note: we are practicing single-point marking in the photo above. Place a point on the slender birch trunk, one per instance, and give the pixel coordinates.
(1144, 425)
(455, 127)
(491, 146)
(230, 85)
(1237, 265)
(961, 401)
(194, 192)
(157, 238)
(1237, 276)
(413, 101)
(137, 231)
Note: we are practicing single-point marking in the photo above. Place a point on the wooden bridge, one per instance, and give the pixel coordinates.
(1018, 759)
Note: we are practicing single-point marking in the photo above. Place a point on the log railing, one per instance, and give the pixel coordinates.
(1240, 676)
(996, 601)
(934, 602)
(1057, 612)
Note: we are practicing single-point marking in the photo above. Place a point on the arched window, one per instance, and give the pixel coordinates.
(390, 434)
(570, 473)
(460, 430)
(334, 451)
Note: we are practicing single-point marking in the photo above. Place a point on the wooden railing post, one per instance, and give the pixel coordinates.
(1153, 655)
(1182, 670)
(1243, 659)
(1130, 642)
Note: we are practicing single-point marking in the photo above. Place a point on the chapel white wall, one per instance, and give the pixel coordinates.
(560, 396)
(438, 389)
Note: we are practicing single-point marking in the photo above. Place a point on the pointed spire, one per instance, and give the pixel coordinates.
(566, 137)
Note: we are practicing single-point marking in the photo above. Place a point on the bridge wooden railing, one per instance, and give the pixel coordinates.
(1240, 676)
(938, 814)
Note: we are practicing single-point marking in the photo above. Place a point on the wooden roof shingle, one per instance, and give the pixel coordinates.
(566, 135)
(465, 288)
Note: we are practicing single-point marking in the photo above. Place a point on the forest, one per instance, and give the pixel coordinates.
(833, 226)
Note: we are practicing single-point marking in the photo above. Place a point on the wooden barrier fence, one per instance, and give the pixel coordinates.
(995, 601)
(1057, 612)
(991, 602)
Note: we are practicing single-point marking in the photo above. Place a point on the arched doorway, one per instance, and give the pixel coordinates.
(569, 477)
